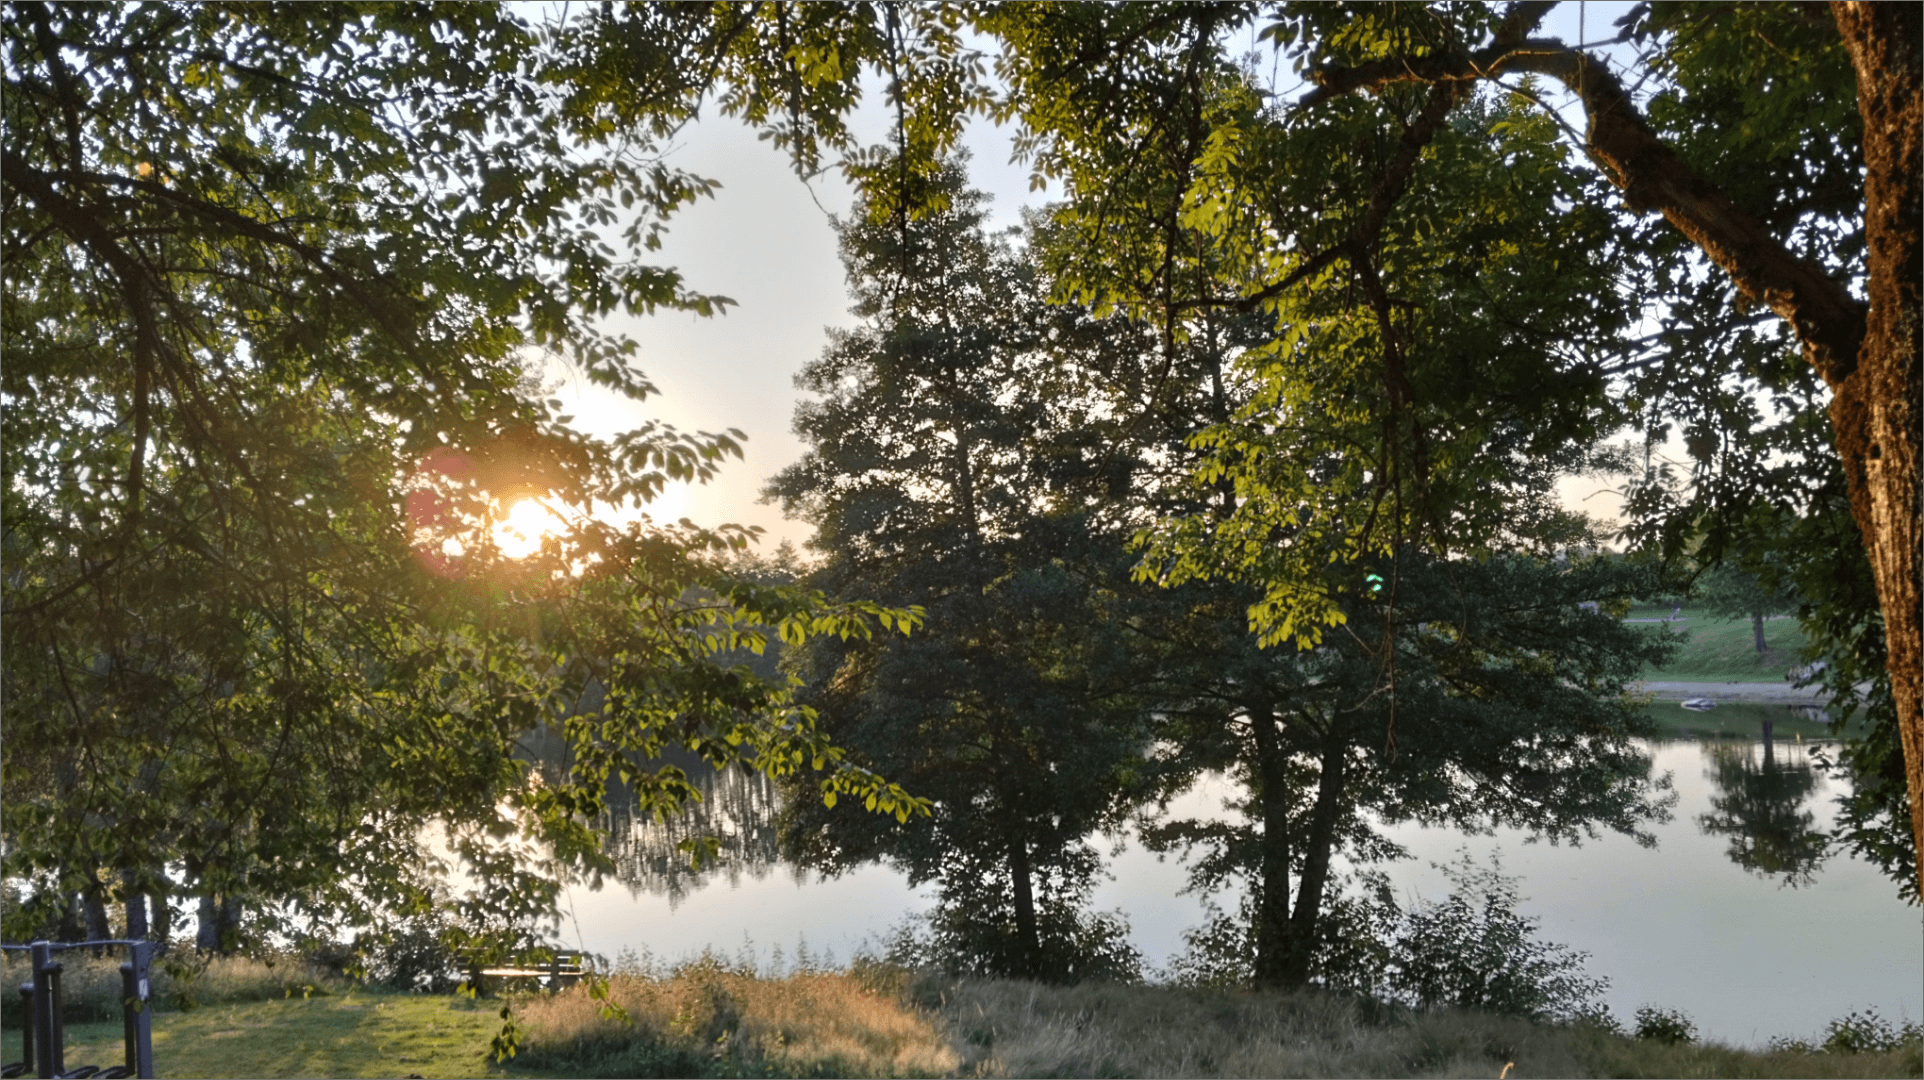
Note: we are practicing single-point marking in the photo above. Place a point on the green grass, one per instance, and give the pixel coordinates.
(1725, 650)
(361, 1033)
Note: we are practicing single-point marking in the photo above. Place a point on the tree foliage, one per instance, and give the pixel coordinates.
(942, 438)
(1191, 186)
(279, 283)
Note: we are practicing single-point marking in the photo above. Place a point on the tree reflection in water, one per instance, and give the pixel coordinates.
(738, 807)
(1760, 806)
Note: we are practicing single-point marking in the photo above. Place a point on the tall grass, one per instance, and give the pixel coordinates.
(90, 987)
(875, 1020)
(708, 1018)
(1013, 1028)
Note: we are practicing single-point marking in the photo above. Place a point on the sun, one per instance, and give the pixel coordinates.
(520, 532)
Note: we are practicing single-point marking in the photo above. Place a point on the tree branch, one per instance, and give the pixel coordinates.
(1823, 314)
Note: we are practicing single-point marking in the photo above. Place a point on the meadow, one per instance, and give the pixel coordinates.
(709, 1018)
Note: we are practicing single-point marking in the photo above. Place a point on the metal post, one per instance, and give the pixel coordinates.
(136, 1009)
(26, 1015)
(46, 1023)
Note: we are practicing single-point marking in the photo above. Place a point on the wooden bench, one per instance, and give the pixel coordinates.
(560, 973)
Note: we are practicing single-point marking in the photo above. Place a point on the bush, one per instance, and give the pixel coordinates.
(1667, 1026)
(1473, 951)
(1076, 946)
(1353, 946)
(90, 987)
(1867, 1033)
(414, 954)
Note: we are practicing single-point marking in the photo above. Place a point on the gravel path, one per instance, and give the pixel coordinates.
(1749, 693)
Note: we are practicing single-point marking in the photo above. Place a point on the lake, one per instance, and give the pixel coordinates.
(1745, 953)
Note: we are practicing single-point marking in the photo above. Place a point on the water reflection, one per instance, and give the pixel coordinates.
(738, 807)
(1760, 805)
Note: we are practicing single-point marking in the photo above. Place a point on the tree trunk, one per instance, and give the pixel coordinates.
(230, 919)
(1757, 629)
(1027, 939)
(1272, 908)
(207, 932)
(163, 923)
(1877, 410)
(136, 902)
(1322, 841)
(93, 901)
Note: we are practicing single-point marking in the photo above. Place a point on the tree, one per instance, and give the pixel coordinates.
(1507, 708)
(275, 282)
(942, 430)
(1731, 593)
(1161, 148)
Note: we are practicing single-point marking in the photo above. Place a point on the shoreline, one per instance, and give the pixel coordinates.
(1732, 692)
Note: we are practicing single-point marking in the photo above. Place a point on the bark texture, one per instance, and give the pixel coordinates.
(1877, 411)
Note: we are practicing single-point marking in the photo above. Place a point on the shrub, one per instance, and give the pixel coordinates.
(1353, 942)
(1472, 950)
(1667, 1026)
(1076, 946)
(90, 986)
(1866, 1033)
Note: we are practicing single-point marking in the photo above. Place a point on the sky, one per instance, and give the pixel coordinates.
(766, 241)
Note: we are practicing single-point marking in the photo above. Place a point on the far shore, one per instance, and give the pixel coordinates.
(1757, 693)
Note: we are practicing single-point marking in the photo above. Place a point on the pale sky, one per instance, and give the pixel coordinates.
(765, 241)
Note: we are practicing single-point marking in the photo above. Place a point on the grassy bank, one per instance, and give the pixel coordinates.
(705, 1019)
(1725, 650)
(879, 1021)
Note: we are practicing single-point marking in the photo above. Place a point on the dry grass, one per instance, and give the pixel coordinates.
(878, 1021)
(1012, 1028)
(705, 1018)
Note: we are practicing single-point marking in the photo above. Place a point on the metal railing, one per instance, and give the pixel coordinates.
(44, 1047)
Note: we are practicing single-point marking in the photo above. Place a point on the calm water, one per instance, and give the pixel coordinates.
(1777, 948)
